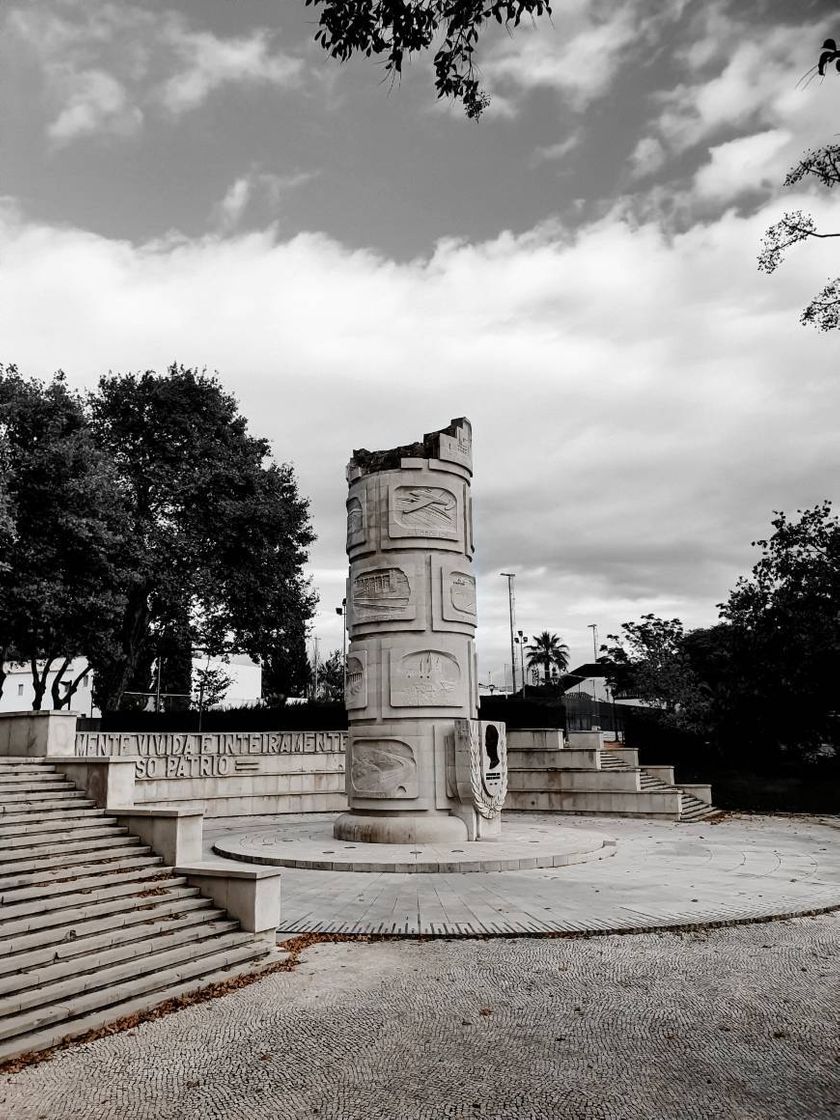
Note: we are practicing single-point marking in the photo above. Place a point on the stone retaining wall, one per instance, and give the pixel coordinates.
(228, 774)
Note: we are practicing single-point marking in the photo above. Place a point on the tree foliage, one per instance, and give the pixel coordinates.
(785, 621)
(650, 662)
(331, 677)
(219, 533)
(63, 571)
(210, 685)
(549, 653)
(761, 685)
(823, 166)
(396, 29)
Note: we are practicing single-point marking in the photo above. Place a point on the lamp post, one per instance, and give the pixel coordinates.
(510, 577)
(342, 610)
(593, 626)
(523, 638)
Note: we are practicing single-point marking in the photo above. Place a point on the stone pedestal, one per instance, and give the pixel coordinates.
(411, 617)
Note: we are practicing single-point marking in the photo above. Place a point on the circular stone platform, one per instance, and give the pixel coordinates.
(525, 844)
(663, 876)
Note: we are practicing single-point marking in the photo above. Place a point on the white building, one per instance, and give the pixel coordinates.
(19, 691)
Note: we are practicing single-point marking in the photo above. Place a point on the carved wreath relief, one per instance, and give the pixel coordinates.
(481, 765)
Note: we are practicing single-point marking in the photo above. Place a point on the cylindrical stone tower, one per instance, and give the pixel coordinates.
(411, 616)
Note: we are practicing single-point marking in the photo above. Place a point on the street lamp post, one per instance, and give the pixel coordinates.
(342, 610)
(523, 638)
(510, 577)
(593, 626)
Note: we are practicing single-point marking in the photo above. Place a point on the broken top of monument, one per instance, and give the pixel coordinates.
(452, 444)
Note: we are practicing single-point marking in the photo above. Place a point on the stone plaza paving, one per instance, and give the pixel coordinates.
(662, 874)
(739, 1022)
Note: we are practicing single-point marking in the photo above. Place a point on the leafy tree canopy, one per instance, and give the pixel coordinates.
(63, 572)
(331, 677)
(650, 663)
(219, 532)
(396, 29)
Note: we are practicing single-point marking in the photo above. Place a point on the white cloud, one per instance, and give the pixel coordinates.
(746, 164)
(208, 62)
(94, 102)
(105, 66)
(579, 54)
(647, 157)
(744, 78)
(265, 186)
(232, 206)
(640, 404)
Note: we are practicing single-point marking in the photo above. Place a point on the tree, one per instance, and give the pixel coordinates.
(823, 165)
(548, 651)
(210, 687)
(649, 661)
(785, 622)
(62, 570)
(331, 677)
(396, 29)
(286, 668)
(219, 532)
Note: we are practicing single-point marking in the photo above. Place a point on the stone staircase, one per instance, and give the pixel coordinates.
(599, 781)
(691, 808)
(93, 925)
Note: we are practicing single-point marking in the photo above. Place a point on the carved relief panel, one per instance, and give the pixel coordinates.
(383, 767)
(428, 510)
(425, 678)
(356, 688)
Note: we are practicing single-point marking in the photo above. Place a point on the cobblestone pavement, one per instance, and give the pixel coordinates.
(663, 874)
(738, 1022)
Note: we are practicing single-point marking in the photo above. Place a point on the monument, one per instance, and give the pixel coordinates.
(421, 767)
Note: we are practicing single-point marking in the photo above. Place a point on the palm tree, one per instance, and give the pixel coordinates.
(548, 651)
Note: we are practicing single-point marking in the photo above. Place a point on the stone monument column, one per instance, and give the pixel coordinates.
(412, 684)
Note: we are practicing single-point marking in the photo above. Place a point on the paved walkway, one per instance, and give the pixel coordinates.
(736, 1023)
(662, 875)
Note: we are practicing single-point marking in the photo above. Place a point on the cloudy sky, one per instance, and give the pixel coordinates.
(197, 182)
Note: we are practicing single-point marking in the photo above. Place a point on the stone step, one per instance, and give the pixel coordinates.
(13, 846)
(41, 878)
(51, 971)
(624, 803)
(155, 981)
(40, 893)
(72, 799)
(91, 851)
(189, 980)
(12, 779)
(20, 791)
(157, 958)
(78, 826)
(25, 858)
(49, 815)
(157, 908)
(167, 923)
(30, 918)
(44, 809)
